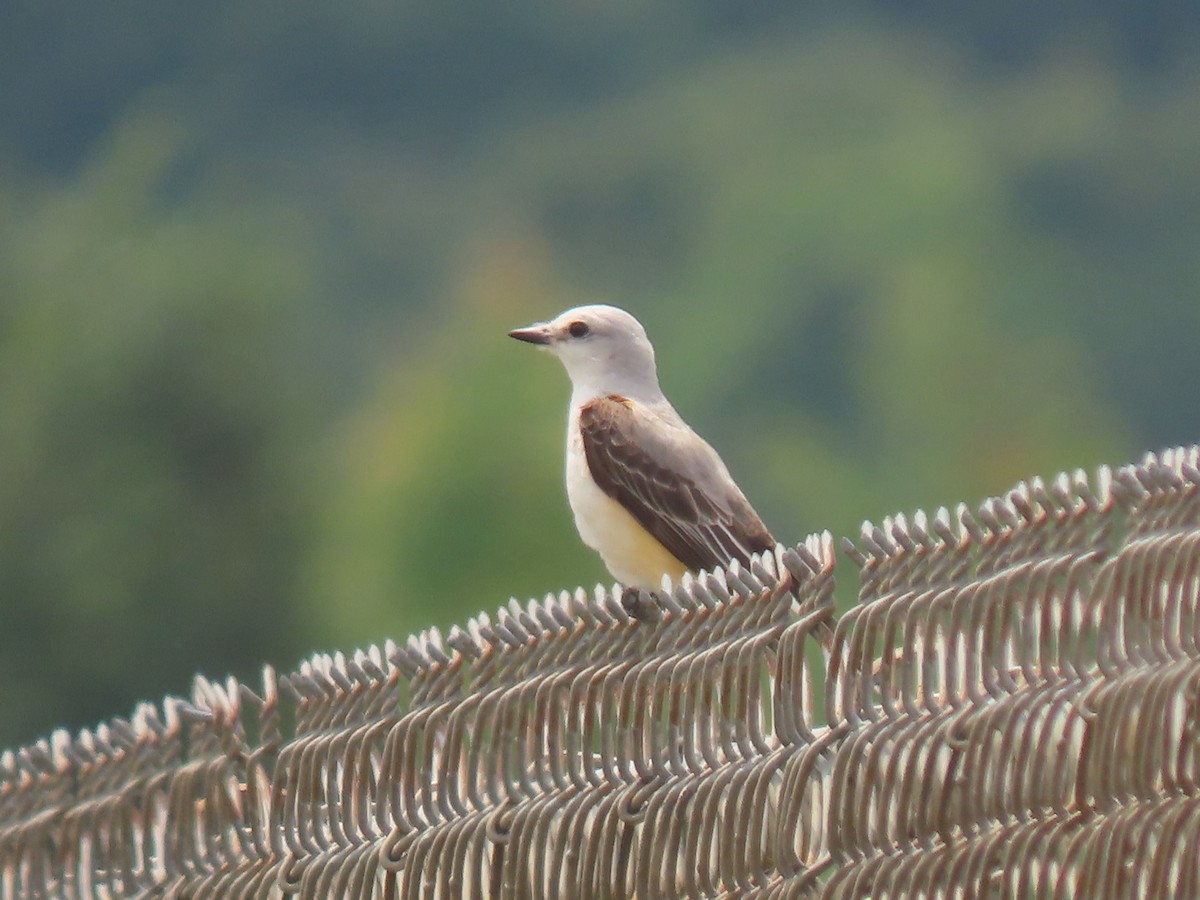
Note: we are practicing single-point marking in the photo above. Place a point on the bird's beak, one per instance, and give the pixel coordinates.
(532, 334)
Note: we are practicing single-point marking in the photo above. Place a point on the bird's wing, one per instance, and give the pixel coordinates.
(672, 482)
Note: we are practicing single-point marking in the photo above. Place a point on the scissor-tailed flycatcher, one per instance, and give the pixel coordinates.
(649, 495)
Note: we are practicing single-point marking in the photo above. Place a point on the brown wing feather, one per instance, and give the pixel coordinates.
(700, 530)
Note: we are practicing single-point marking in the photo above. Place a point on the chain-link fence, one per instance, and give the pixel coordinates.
(1011, 709)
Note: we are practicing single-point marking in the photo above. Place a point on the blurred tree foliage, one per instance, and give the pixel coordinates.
(156, 407)
(255, 274)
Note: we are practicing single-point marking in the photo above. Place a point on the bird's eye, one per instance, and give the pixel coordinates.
(578, 329)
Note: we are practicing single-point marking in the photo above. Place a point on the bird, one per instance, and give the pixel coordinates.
(648, 494)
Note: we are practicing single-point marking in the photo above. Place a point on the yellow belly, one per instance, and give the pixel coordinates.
(631, 553)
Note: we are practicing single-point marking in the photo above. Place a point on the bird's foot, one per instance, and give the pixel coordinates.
(641, 605)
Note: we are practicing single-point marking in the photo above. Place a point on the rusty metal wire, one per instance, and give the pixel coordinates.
(1012, 708)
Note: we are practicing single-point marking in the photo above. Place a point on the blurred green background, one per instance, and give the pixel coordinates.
(257, 262)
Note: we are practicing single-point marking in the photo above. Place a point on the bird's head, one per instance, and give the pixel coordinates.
(604, 350)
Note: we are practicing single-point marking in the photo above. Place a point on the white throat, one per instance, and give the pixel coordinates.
(588, 385)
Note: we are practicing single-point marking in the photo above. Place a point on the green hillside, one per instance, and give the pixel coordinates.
(255, 393)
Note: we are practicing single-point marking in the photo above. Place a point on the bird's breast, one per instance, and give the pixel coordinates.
(631, 553)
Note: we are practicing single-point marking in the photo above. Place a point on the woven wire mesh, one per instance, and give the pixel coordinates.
(1011, 709)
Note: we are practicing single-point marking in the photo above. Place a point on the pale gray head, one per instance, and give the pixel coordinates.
(604, 350)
